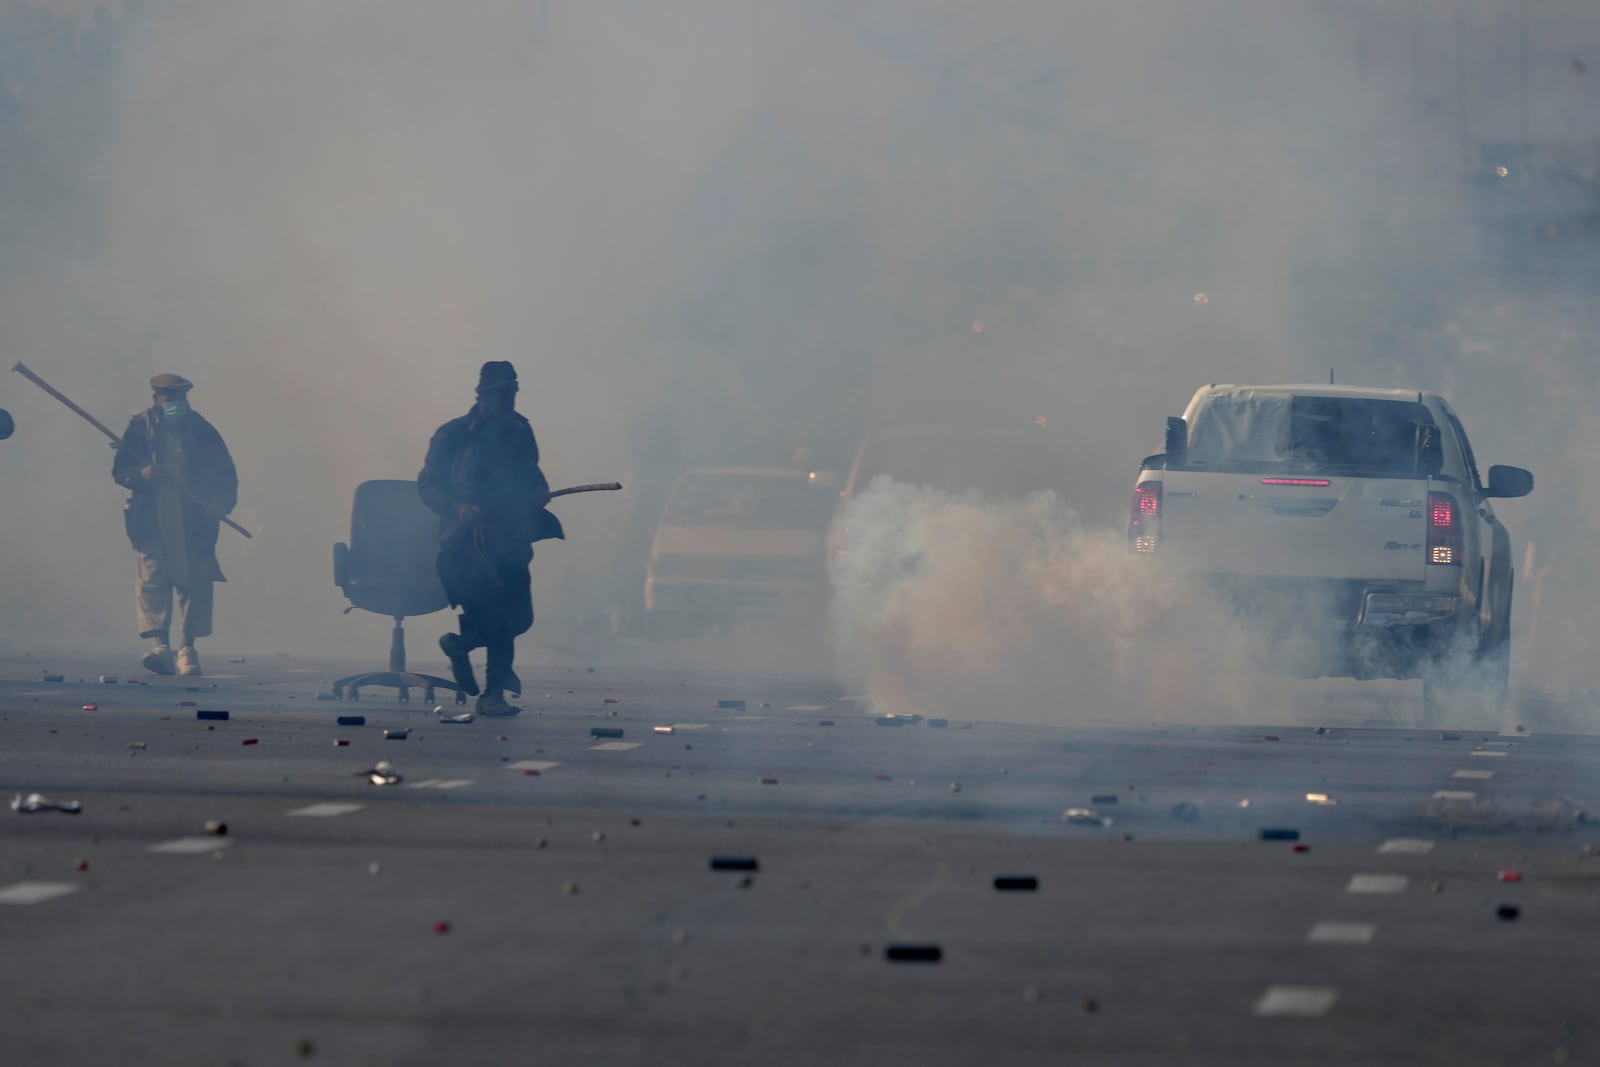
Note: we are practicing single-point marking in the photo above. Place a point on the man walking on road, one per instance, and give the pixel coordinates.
(482, 479)
(183, 481)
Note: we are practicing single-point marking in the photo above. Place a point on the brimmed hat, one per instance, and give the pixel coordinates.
(497, 374)
(172, 383)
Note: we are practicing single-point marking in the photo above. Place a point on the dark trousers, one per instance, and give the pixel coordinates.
(489, 578)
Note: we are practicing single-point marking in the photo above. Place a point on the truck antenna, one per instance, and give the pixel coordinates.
(1330, 375)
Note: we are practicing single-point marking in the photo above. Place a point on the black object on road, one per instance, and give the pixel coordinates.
(351, 720)
(220, 716)
(1508, 912)
(735, 863)
(913, 953)
(605, 731)
(1279, 834)
(55, 678)
(395, 735)
(1016, 883)
(1103, 798)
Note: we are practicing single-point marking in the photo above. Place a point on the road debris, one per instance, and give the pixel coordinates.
(185, 703)
(825, 722)
(380, 773)
(81, 865)
(1271, 737)
(898, 720)
(55, 677)
(1510, 876)
(216, 827)
(351, 720)
(605, 731)
(735, 863)
(1088, 1005)
(1016, 883)
(1301, 848)
(1103, 798)
(663, 729)
(955, 787)
(1084, 817)
(1508, 912)
(251, 741)
(1270, 833)
(569, 888)
(203, 714)
(460, 720)
(108, 679)
(1321, 799)
(913, 953)
(305, 1049)
(91, 707)
(1184, 811)
(34, 802)
(340, 742)
(732, 705)
(396, 735)
(769, 781)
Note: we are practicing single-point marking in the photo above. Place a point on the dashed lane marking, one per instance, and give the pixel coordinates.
(191, 846)
(1295, 1001)
(1342, 933)
(1406, 846)
(540, 765)
(35, 892)
(1454, 794)
(1486, 754)
(327, 810)
(440, 783)
(1377, 883)
(1480, 776)
(809, 707)
(749, 718)
(613, 746)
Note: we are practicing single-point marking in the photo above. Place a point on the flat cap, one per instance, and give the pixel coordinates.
(497, 374)
(171, 382)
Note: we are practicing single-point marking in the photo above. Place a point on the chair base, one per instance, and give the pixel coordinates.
(404, 681)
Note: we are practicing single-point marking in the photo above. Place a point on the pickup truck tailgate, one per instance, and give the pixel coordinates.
(1301, 527)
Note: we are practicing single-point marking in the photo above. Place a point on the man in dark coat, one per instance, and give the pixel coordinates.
(482, 479)
(183, 481)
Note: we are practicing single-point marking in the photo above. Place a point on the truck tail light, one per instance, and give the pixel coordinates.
(1144, 525)
(1444, 530)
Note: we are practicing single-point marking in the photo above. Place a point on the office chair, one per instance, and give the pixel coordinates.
(388, 569)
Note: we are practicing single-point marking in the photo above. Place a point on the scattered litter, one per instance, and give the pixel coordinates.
(381, 773)
(1084, 817)
(396, 735)
(251, 741)
(732, 705)
(1184, 811)
(1088, 1005)
(462, 719)
(569, 888)
(1302, 848)
(735, 863)
(939, 724)
(340, 742)
(91, 707)
(605, 731)
(598, 836)
(1279, 834)
(1270, 737)
(1510, 876)
(1321, 799)
(663, 729)
(441, 927)
(351, 720)
(219, 716)
(1023, 883)
(55, 678)
(611, 700)
(913, 953)
(881, 778)
(1103, 798)
(898, 720)
(216, 827)
(108, 679)
(39, 802)
(1320, 731)
(81, 865)
(136, 744)
(1245, 803)
(304, 1049)
(955, 787)
(1508, 912)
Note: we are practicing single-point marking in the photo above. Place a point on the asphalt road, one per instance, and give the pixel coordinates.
(528, 892)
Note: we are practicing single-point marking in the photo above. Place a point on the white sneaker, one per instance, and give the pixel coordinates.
(159, 661)
(188, 660)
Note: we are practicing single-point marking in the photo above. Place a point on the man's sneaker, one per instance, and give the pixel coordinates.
(454, 646)
(493, 704)
(188, 660)
(159, 660)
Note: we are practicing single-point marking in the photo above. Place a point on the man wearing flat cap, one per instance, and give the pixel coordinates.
(183, 481)
(482, 479)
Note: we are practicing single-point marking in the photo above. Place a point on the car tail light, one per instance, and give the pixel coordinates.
(1444, 530)
(1144, 525)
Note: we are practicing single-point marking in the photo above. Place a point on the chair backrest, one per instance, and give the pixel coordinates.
(394, 543)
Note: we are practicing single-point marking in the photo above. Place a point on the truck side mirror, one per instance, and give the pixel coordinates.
(1508, 482)
(1177, 443)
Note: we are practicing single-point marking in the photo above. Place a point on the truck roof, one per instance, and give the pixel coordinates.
(1362, 391)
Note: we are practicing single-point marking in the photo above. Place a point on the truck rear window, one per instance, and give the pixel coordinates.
(1254, 430)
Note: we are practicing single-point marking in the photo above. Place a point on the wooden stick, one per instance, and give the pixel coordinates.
(595, 487)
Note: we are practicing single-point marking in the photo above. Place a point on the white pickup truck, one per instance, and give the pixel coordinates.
(1347, 528)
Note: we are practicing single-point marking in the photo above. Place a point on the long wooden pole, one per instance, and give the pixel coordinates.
(97, 424)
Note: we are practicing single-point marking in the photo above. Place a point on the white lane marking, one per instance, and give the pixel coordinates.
(1454, 794)
(440, 783)
(35, 892)
(1484, 754)
(540, 765)
(1295, 1001)
(1480, 776)
(1377, 883)
(191, 846)
(328, 809)
(690, 725)
(613, 746)
(1495, 744)
(1342, 933)
(809, 707)
(749, 718)
(1407, 846)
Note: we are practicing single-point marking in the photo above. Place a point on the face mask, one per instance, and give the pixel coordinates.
(173, 410)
